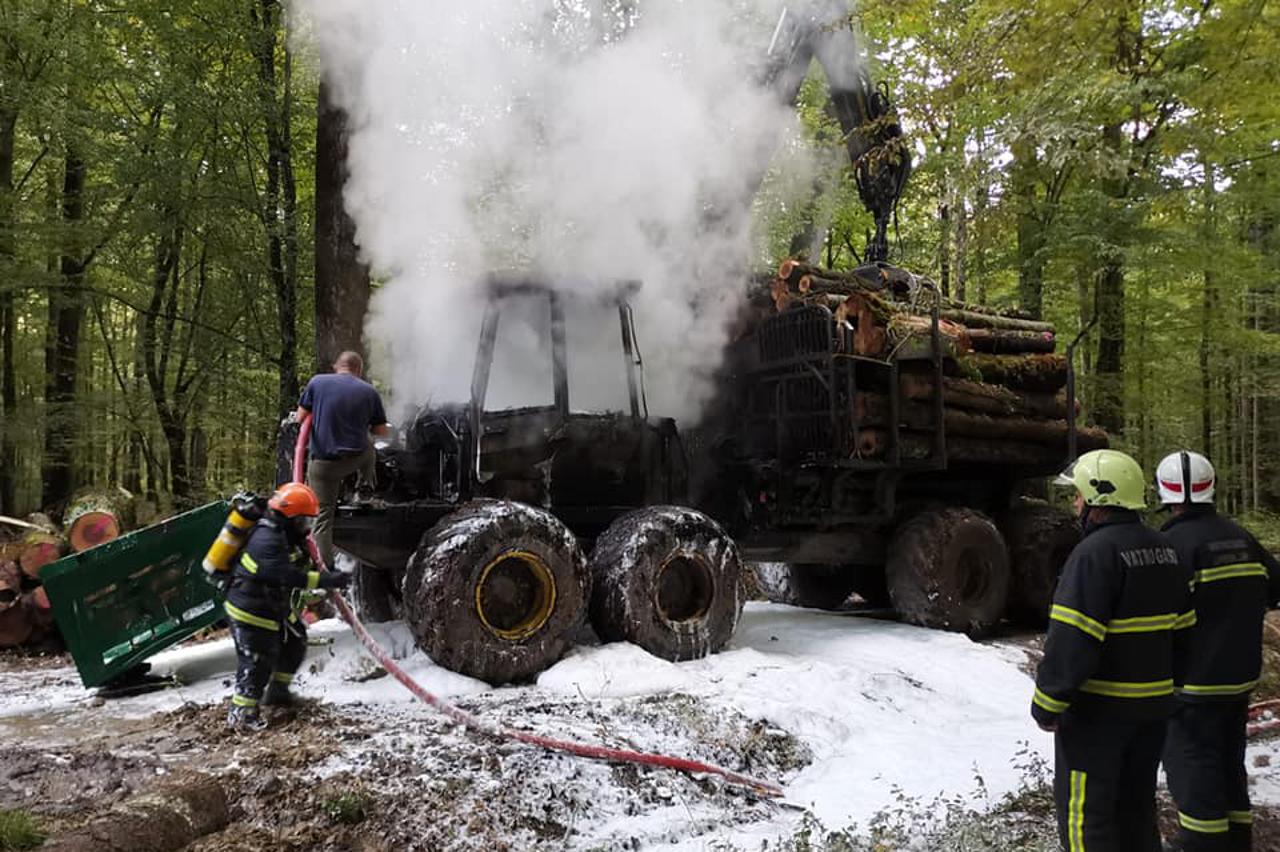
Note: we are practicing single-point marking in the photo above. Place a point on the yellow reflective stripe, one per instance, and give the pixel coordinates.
(1075, 812)
(282, 677)
(250, 564)
(1187, 619)
(1240, 817)
(1203, 826)
(1219, 689)
(1124, 689)
(244, 701)
(1048, 702)
(249, 618)
(1078, 620)
(313, 580)
(1143, 624)
(1229, 572)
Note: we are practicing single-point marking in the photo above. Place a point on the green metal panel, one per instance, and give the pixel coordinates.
(121, 602)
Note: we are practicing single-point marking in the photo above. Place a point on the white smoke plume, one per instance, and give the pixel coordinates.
(577, 140)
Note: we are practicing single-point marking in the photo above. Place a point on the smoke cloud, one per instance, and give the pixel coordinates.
(582, 141)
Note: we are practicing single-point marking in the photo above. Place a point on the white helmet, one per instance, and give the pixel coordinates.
(1185, 477)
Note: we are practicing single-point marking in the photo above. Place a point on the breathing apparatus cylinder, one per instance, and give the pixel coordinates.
(246, 510)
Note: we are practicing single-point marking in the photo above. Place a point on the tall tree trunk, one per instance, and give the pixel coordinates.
(62, 342)
(342, 281)
(1109, 401)
(8, 319)
(1207, 300)
(944, 242)
(280, 201)
(1030, 228)
(960, 259)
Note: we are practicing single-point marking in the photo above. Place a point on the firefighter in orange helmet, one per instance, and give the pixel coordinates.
(264, 600)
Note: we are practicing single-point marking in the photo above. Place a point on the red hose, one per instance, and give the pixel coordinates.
(480, 726)
(300, 450)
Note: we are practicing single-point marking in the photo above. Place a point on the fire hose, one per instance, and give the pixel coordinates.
(480, 726)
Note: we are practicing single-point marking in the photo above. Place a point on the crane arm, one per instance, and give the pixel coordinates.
(872, 134)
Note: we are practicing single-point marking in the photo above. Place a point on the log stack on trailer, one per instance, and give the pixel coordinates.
(1003, 387)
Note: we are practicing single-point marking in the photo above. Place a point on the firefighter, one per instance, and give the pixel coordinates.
(264, 599)
(1235, 580)
(1105, 686)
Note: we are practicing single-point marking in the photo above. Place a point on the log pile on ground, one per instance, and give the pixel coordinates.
(1002, 389)
(28, 545)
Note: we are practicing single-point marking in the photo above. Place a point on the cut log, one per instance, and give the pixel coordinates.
(96, 518)
(872, 410)
(874, 443)
(165, 820)
(16, 623)
(38, 550)
(988, 399)
(1037, 373)
(976, 319)
(1005, 342)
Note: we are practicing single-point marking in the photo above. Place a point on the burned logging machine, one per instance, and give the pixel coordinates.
(865, 431)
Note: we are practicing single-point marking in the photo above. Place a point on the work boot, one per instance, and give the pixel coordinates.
(279, 695)
(245, 719)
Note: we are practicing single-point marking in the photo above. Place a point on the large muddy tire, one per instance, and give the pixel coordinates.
(821, 586)
(872, 586)
(669, 580)
(949, 569)
(374, 594)
(1040, 538)
(496, 590)
(770, 581)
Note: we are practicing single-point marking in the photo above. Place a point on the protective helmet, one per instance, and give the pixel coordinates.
(295, 500)
(1185, 477)
(1107, 478)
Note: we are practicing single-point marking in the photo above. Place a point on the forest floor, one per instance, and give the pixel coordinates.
(884, 736)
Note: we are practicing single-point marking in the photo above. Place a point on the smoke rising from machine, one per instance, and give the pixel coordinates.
(579, 140)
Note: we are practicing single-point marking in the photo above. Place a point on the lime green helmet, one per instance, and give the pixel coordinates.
(1107, 478)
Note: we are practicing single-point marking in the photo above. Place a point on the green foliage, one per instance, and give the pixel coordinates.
(1052, 141)
(348, 808)
(19, 830)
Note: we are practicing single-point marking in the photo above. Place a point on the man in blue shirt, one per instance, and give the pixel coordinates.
(345, 410)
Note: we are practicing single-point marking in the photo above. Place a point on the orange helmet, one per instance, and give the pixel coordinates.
(294, 500)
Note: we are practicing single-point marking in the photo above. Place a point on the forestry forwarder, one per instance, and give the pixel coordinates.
(483, 520)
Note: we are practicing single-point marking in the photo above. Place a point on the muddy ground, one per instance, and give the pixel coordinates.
(356, 777)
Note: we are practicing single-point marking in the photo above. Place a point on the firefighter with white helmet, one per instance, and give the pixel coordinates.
(1235, 579)
(1105, 685)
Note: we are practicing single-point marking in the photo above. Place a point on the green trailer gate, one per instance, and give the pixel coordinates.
(121, 602)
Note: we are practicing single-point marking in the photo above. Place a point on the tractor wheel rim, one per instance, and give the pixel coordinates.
(685, 588)
(515, 595)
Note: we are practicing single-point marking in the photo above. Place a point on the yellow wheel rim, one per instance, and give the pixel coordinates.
(515, 595)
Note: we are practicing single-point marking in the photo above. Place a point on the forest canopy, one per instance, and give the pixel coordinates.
(168, 176)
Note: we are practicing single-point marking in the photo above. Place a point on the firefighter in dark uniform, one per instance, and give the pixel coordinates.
(1235, 580)
(264, 599)
(1106, 684)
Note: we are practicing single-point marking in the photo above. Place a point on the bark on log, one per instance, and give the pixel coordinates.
(168, 819)
(95, 518)
(989, 399)
(1037, 373)
(976, 319)
(16, 624)
(1005, 342)
(38, 550)
(874, 443)
(873, 411)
